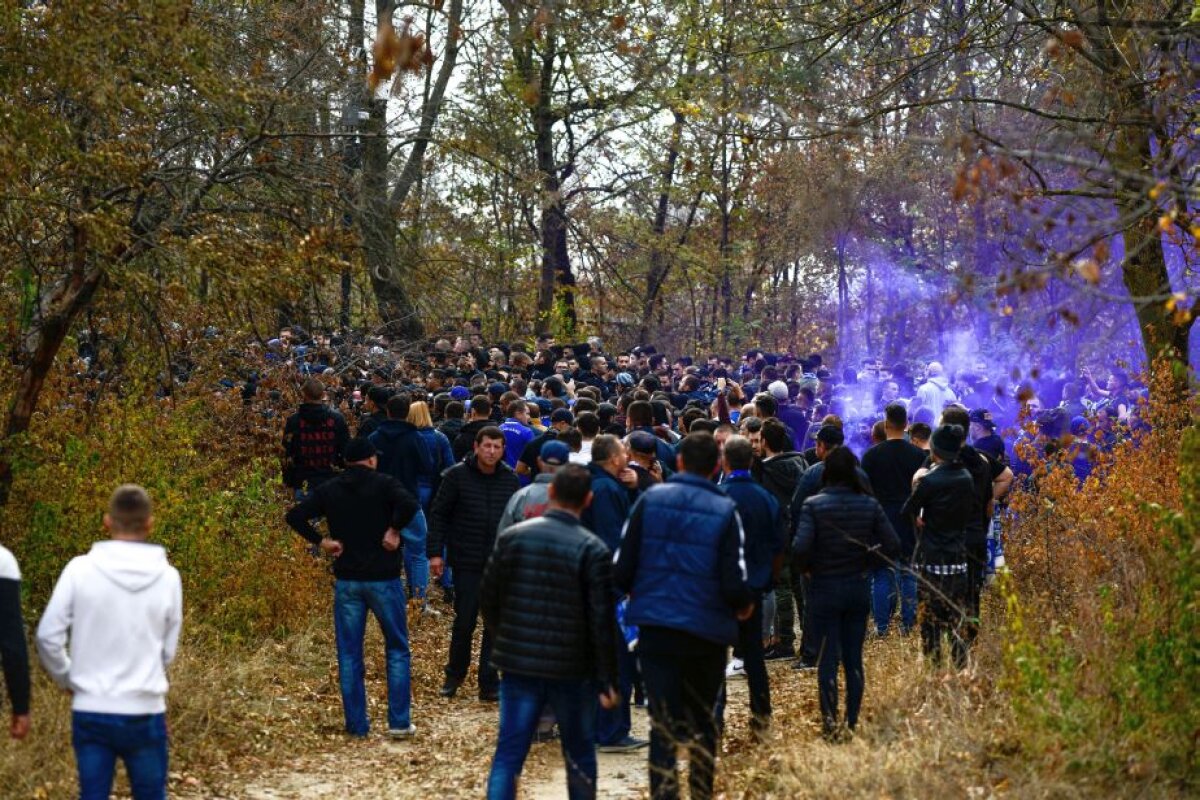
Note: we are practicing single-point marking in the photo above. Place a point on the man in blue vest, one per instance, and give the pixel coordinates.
(683, 563)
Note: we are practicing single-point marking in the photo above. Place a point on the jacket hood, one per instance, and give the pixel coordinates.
(133, 566)
(940, 382)
(393, 429)
(783, 464)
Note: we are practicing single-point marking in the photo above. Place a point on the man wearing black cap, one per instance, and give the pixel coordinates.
(983, 435)
(560, 420)
(941, 507)
(365, 511)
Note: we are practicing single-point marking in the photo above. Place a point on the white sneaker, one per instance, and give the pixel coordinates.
(402, 733)
(735, 669)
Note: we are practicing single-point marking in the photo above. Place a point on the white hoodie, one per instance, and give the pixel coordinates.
(122, 606)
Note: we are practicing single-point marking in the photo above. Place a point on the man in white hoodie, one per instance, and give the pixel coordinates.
(935, 393)
(121, 607)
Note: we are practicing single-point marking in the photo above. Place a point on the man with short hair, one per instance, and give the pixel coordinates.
(375, 404)
(687, 610)
(780, 471)
(517, 433)
(613, 484)
(366, 509)
(891, 466)
(121, 608)
(560, 420)
(763, 546)
(546, 597)
(465, 514)
(314, 439)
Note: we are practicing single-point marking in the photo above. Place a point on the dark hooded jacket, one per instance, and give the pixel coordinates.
(359, 505)
(314, 439)
(401, 451)
(780, 475)
(464, 443)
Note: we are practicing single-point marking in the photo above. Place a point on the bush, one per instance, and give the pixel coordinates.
(1102, 634)
(218, 507)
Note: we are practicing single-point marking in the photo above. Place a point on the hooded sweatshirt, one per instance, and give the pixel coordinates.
(121, 605)
(935, 394)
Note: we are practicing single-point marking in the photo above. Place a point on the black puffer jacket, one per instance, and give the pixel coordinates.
(547, 598)
(779, 475)
(466, 511)
(946, 495)
(842, 532)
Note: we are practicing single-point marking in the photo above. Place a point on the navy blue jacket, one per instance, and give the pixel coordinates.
(606, 516)
(763, 526)
(401, 451)
(682, 560)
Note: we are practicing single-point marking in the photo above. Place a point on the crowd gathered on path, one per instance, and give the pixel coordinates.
(618, 522)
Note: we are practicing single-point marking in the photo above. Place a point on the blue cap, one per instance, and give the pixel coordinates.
(624, 379)
(498, 388)
(555, 452)
(460, 393)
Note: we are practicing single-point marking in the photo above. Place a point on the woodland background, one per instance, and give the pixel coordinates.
(868, 177)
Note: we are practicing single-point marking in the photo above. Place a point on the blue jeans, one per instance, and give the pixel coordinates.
(386, 600)
(416, 560)
(521, 700)
(139, 739)
(883, 597)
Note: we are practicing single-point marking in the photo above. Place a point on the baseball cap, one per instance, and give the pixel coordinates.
(555, 453)
(460, 393)
(778, 390)
(642, 442)
(625, 379)
(981, 416)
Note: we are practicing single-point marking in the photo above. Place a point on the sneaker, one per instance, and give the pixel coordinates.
(805, 666)
(735, 669)
(778, 651)
(548, 735)
(489, 695)
(450, 688)
(626, 745)
(402, 733)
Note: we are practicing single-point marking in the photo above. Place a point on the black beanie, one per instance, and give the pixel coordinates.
(947, 441)
(359, 449)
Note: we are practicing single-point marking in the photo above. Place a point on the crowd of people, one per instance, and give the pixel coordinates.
(619, 522)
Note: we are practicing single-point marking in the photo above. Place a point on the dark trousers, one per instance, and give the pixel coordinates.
(614, 725)
(682, 689)
(466, 616)
(840, 606)
(808, 643)
(750, 650)
(977, 561)
(786, 615)
(943, 611)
